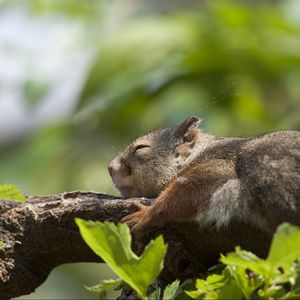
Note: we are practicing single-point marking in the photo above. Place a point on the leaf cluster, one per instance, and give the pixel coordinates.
(243, 275)
(246, 276)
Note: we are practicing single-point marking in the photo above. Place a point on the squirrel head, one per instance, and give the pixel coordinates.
(150, 162)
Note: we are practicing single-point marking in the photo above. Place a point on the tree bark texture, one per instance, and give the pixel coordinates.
(41, 234)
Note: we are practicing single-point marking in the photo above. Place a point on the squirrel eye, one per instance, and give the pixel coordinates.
(138, 147)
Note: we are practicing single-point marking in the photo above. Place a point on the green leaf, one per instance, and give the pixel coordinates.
(229, 291)
(195, 294)
(295, 282)
(217, 286)
(9, 191)
(113, 244)
(246, 260)
(216, 281)
(181, 292)
(246, 283)
(105, 286)
(203, 288)
(285, 247)
(155, 295)
(171, 290)
(2, 245)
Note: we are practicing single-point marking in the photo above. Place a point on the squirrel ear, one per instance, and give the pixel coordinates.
(188, 124)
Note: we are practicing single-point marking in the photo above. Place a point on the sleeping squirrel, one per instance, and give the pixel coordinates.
(196, 176)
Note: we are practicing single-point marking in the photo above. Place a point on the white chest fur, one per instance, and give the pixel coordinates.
(225, 203)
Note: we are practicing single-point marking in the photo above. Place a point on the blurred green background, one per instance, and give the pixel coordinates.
(80, 79)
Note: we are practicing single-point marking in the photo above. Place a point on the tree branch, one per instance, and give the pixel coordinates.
(41, 234)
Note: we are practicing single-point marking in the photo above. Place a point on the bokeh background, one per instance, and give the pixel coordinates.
(79, 79)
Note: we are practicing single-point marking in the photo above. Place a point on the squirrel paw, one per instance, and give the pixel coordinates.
(137, 221)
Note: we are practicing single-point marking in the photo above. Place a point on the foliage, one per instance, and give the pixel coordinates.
(248, 277)
(105, 286)
(244, 275)
(219, 58)
(2, 245)
(113, 244)
(9, 191)
(171, 291)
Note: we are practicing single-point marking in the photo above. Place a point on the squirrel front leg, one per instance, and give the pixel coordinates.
(185, 197)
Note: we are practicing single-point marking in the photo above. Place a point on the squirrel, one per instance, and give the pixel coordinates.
(195, 176)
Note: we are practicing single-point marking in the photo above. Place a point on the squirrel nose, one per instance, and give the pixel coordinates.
(110, 169)
(117, 167)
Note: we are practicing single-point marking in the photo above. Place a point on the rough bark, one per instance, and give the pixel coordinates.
(41, 234)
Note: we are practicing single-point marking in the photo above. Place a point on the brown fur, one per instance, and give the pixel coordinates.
(195, 175)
